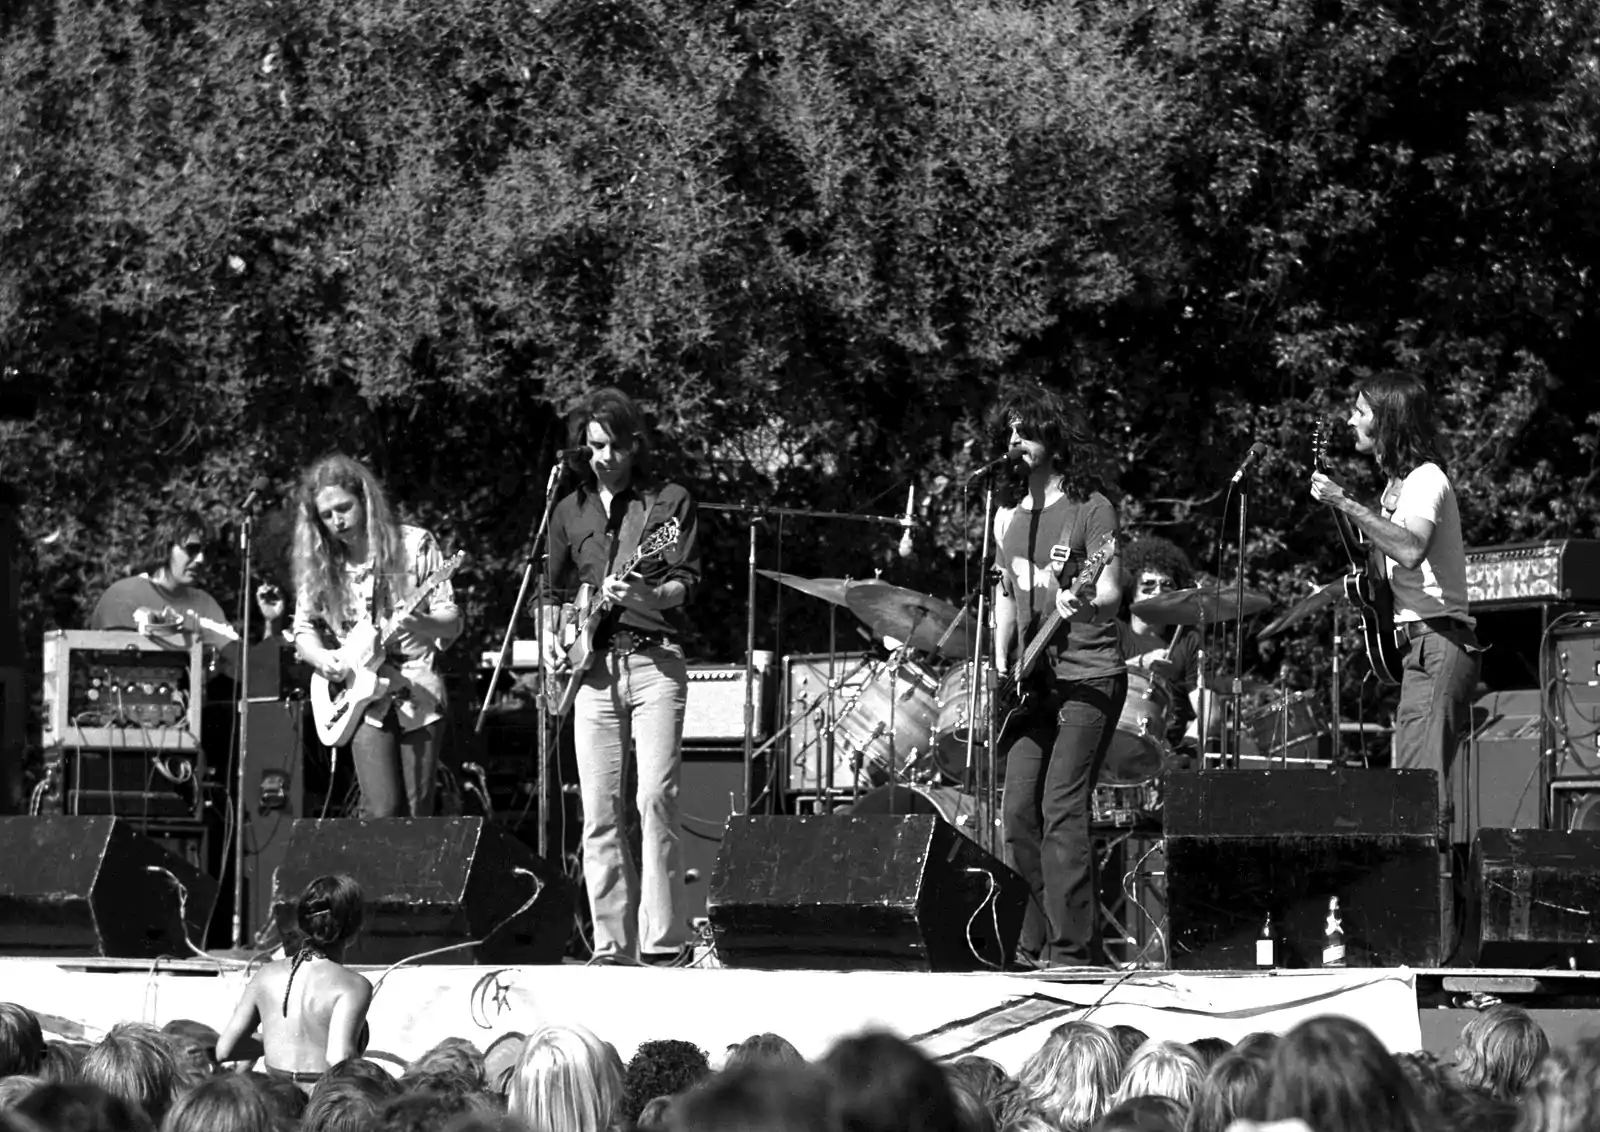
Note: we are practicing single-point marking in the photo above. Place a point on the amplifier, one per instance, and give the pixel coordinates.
(1572, 672)
(121, 689)
(1533, 573)
(814, 694)
(715, 711)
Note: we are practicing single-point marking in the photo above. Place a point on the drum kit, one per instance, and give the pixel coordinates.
(896, 734)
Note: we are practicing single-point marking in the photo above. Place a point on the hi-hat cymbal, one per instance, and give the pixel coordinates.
(828, 589)
(920, 620)
(1197, 606)
(1319, 598)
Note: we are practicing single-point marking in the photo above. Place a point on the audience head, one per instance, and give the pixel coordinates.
(758, 1098)
(329, 911)
(22, 1046)
(763, 1049)
(135, 1063)
(500, 1060)
(883, 1083)
(1564, 1093)
(1235, 1089)
(662, 1068)
(285, 1100)
(225, 1103)
(346, 1103)
(1128, 1038)
(1073, 1075)
(453, 1055)
(62, 1061)
(972, 1087)
(429, 1110)
(81, 1108)
(1210, 1050)
(1334, 1075)
(567, 1080)
(1149, 1113)
(1257, 1043)
(1161, 1069)
(654, 1113)
(195, 1046)
(1500, 1049)
(15, 1087)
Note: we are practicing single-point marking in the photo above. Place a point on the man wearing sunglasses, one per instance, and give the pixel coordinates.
(167, 595)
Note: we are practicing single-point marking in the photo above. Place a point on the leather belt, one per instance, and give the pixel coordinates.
(1415, 629)
(626, 642)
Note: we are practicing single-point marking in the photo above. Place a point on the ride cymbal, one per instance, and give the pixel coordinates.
(1319, 598)
(920, 620)
(1197, 606)
(828, 589)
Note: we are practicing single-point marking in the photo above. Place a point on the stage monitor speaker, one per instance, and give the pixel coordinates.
(1538, 893)
(905, 891)
(1243, 845)
(1495, 783)
(95, 886)
(431, 883)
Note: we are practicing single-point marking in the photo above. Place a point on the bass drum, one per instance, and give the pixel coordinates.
(959, 809)
(951, 729)
(886, 724)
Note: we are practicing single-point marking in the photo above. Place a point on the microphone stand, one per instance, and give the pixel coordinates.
(1237, 698)
(982, 770)
(757, 513)
(240, 809)
(535, 555)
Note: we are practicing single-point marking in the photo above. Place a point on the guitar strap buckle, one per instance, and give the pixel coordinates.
(1060, 555)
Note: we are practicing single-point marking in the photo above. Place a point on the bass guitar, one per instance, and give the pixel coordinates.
(1367, 583)
(337, 706)
(580, 654)
(1014, 696)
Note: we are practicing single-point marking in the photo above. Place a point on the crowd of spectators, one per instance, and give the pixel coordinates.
(1327, 1074)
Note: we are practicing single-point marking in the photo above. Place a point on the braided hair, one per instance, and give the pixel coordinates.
(329, 914)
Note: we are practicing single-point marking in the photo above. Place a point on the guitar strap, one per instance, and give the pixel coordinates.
(634, 522)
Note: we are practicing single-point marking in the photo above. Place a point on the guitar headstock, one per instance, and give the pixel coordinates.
(1320, 437)
(660, 540)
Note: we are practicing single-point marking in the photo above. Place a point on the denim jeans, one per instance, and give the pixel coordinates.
(632, 700)
(1051, 767)
(395, 767)
(1435, 710)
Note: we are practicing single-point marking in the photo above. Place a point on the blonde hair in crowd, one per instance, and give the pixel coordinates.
(1161, 1069)
(1073, 1075)
(567, 1080)
(319, 558)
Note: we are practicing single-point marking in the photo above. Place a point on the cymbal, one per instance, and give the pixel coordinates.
(919, 620)
(828, 589)
(1319, 598)
(1197, 606)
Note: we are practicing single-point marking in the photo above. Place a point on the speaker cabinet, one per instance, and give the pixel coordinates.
(1243, 845)
(710, 790)
(1536, 889)
(1496, 781)
(819, 692)
(274, 783)
(893, 891)
(1572, 663)
(94, 886)
(431, 883)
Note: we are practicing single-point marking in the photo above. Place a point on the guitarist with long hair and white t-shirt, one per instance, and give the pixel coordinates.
(631, 681)
(1055, 746)
(355, 567)
(1417, 527)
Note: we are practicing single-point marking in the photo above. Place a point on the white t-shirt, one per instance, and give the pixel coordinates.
(1437, 587)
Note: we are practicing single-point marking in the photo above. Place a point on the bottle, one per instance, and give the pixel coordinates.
(1265, 948)
(1333, 936)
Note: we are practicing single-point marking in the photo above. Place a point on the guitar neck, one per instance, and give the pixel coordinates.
(1031, 654)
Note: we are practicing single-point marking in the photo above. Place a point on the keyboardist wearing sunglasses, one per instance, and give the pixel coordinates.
(166, 596)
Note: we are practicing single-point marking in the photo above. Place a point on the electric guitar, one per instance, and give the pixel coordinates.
(337, 708)
(1013, 696)
(1367, 583)
(580, 654)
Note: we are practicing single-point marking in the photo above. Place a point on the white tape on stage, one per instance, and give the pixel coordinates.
(1000, 1016)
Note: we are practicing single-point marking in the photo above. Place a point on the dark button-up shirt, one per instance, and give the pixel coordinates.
(583, 543)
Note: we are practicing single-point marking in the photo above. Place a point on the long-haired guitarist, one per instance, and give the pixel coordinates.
(1418, 530)
(635, 684)
(1055, 746)
(354, 565)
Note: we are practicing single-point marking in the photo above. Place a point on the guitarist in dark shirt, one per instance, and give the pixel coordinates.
(636, 684)
(1418, 531)
(1055, 746)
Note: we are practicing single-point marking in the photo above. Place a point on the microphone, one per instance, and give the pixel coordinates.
(1012, 456)
(257, 486)
(906, 548)
(581, 454)
(1251, 459)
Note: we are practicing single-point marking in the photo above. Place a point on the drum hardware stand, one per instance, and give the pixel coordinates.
(982, 771)
(758, 513)
(547, 720)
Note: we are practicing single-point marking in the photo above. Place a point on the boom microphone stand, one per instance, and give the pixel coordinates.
(240, 808)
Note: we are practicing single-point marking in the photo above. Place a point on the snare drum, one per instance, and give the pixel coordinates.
(1128, 806)
(1290, 726)
(952, 728)
(1140, 744)
(886, 725)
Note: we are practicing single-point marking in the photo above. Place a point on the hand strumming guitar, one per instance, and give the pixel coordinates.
(1075, 608)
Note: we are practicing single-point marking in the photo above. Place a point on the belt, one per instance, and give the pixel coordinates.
(626, 642)
(1415, 629)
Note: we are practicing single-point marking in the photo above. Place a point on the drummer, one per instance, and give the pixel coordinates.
(1153, 566)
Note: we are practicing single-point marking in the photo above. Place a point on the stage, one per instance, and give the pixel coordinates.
(999, 1015)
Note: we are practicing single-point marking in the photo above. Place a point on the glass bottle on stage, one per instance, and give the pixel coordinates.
(1266, 948)
(1333, 936)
